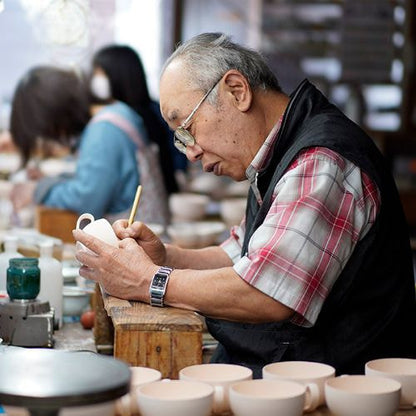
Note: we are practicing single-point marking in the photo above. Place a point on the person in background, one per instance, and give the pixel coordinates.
(118, 74)
(6, 142)
(52, 105)
(320, 269)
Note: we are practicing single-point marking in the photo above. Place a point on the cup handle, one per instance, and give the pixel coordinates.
(219, 399)
(85, 216)
(311, 397)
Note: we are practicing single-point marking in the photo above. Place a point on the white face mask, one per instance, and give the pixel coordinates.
(100, 87)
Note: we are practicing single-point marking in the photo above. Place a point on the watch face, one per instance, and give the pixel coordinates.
(159, 281)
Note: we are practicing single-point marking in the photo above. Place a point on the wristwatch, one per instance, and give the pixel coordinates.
(158, 285)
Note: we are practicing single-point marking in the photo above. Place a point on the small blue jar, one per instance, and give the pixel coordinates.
(23, 278)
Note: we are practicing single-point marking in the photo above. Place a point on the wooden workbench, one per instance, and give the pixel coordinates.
(167, 339)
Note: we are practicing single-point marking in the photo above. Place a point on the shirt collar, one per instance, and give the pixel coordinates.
(262, 158)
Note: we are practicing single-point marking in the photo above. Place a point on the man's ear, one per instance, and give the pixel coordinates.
(238, 89)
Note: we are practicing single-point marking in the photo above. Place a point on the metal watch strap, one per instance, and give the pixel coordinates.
(158, 285)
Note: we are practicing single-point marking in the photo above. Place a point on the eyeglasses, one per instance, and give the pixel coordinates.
(182, 137)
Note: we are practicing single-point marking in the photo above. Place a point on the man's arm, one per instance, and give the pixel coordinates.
(127, 271)
(199, 259)
(221, 293)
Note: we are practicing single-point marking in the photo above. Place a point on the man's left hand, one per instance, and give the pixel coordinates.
(124, 271)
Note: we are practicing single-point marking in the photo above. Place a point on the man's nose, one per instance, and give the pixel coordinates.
(194, 152)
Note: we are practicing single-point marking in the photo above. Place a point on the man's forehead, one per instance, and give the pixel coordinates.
(173, 86)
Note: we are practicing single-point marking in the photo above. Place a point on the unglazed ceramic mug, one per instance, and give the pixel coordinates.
(175, 398)
(304, 372)
(353, 395)
(127, 404)
(402, 370)
(221, 377)
(100, 228)
(98, 409)
(272, 397)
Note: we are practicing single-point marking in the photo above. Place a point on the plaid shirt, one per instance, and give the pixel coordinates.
(322, 206)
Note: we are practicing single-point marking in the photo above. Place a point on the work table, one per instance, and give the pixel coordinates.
(72, 336)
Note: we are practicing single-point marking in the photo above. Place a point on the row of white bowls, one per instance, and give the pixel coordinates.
(197, 234)
(193, 207)
(189, 229)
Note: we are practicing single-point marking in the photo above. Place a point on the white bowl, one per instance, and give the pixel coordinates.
(188, 206)
(402, 370)
(359, 395)
(196, 234)
(175, 398)
(58, 166)
(238, 189)
(206, 183)
(232, 210)
(5, 188)
(156, 228)
(99, 409)
(75, 300)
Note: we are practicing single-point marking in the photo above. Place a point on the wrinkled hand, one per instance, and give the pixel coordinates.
(124, 272)
(22, 194)
(144, 237)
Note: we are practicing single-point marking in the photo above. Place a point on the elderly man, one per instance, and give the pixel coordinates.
(320, 269)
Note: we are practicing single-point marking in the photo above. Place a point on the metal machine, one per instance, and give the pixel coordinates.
(26, 323)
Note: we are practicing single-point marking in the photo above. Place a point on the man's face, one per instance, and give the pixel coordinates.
(218, 129)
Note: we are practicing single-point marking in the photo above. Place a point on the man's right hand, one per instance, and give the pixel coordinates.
(144, 237)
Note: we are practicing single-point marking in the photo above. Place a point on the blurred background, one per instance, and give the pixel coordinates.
(361, 54)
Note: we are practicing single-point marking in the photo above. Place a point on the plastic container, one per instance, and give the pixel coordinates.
(51, 280)
(10, 251)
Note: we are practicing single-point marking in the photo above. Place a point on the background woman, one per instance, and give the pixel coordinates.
(118, 74)
(52, 105)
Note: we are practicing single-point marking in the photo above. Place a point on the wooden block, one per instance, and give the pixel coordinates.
(167, 339)
(103, 327)
(55, 222)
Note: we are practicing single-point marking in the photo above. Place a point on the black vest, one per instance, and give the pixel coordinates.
(371, 310)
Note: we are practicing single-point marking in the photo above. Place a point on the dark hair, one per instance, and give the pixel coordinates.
(124, 69)
(48, 103)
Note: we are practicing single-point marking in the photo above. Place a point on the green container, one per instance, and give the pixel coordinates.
(23, 278)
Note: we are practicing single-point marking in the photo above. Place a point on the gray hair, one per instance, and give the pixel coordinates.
(208, 56)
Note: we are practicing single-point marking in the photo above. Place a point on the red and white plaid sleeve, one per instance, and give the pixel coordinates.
(321, 208)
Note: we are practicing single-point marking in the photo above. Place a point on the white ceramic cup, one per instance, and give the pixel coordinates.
(127, 404)
(304, 372)
(175, 398)
(221, 377)
(99, 409)
(100, 228)
(401, 369)
(271, 397)
(353, 395)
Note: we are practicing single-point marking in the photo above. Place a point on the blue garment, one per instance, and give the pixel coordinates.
(106, 177)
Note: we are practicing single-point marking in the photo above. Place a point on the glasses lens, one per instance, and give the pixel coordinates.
(179, 145)
(183, 139)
